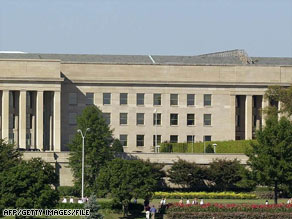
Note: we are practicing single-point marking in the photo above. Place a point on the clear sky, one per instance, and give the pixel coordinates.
(156, 27)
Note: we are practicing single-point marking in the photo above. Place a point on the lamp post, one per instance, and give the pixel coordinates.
(155, 120)
(214, 147)
(82, 174)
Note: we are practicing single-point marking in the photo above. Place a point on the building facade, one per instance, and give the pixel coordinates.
(179, 99)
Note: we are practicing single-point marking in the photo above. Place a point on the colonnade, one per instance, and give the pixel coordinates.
(31, 119)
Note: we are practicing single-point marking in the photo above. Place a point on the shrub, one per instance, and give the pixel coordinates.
(204, 195)
(68, 191)
(209, 149)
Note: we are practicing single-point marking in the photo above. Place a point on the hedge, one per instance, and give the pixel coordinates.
(204, 195)
(238, 146)
(229, 215)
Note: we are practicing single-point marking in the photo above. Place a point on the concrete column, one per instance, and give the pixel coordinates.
(248, 117)
(16, 132)
(33, 132)
(22, 119)
(265, 103)
(5, 114)
(40, 120)
(233, 116)
(57, 121)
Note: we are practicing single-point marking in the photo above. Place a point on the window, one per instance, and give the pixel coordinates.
(72, 118)
(140, 140)
(207, 119)
(89, 98)
(173, 99)
(207, 99)
(123, 99)
(173, 138)
(72, 98)
(158, 140)
(28, 139)
(124, 140)
(191, 99)
(107, 118)
(207, 138)
(173, 119)
(156, 118)
(157, 99)
(106, 98)
(123, 118)
(190, 138)
(191, 119)
(11, 138)
(140, 99)
(140, 118)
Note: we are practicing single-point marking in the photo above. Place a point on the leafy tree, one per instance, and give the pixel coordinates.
(187, 175)
(225, 174)
(29, 185)
(117, 146)
(94, 208)
(97, 148)
(270, 158)
(9, 156)
(125, 179)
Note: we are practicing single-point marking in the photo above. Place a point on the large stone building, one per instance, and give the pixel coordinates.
(215, 96)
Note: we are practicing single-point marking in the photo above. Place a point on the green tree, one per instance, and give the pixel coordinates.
(225, 174)
(9, 156)
(97, 148)
(270, 158)
(117, 146)
(93, 206)
(188, 175)
(125, 179)
(29, 185)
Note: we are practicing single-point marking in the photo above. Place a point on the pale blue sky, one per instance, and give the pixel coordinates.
(157, 27)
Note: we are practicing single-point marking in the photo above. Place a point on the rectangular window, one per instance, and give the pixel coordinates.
(207, 138)
(140, 118)
(140, 140)
(123, 118)
(89, 98)
(124, 140)
(157, 99)
(106, 98)
(190, 138)
(174, 139)
(207, 99)
(191, 119)
(72, 98)
(207, 119)
(191, 99)
(123, 99)
(140, 99)
(156, 118)
(72, 118)
(173, 119)
(158, 140)
(173, 99)
(107, 118)
(28, 139)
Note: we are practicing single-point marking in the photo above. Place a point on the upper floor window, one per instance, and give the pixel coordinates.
(123, 118)
(123, 99)
(140, 118)
(107, 118)
(191, 99)
(89, 98)
(158, 142)
(174, 139)
(190, 119)
(207, 99)
(156, 118)
(106, 98)
(207, 119)
(190, 138)
(72, 98)
(157, 99)
(140, 99)
(140, 140)
(124, 140)
(173, 119)
(173, 99)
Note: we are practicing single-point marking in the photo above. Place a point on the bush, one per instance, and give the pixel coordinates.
(204, 195)
(209, 149)
(66, 191)
(238, 146)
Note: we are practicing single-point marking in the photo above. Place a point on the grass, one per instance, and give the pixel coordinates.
(108, 214)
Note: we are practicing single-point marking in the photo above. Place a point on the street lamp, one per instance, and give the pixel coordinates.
(82, 174)
(155, 120)
(214, 147)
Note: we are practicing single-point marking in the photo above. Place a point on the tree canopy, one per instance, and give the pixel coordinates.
(97, 148)
(270, 158)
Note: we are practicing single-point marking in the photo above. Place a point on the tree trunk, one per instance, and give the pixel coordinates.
(276, 193)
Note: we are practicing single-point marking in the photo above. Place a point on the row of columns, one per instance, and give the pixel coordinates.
(39, 129)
